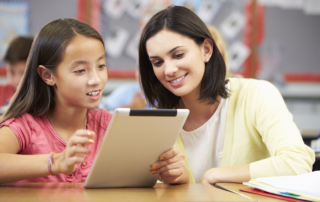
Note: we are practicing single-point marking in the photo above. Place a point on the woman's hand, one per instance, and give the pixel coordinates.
(171, 167)
(66, 161)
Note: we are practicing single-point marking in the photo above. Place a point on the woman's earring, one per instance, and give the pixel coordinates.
(207, 60)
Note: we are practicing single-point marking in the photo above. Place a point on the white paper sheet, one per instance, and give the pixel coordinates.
(132, 48)
(135, 8)
(208, 10)
(115, 8)
(238, 53)
(116, 41)
(308, 183)
(232, 25)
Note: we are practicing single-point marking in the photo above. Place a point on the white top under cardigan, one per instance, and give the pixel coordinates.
(204, 145)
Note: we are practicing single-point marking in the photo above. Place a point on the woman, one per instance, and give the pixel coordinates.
(237, 129)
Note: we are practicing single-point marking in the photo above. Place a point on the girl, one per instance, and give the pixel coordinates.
(50, 132)
(237, 129)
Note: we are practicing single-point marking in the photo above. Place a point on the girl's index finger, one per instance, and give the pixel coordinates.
(80, 140)
(85, 133)
(82, 137)
(174, 151)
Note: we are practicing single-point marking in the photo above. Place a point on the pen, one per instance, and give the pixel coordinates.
(218, 186)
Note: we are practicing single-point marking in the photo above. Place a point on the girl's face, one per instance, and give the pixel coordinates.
(178, 62)
(82, 75)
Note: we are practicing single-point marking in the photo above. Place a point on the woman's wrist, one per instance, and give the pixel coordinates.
(182, 179)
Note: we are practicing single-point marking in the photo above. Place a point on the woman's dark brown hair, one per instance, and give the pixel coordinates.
(183, 21)
(33, 95)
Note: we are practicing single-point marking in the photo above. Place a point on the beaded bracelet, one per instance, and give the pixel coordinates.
(50, 164)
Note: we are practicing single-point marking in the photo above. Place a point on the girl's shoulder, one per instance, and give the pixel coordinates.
(27, 128)
(26, 120)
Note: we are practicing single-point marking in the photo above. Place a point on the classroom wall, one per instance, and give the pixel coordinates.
(298, 36)
(44, 11)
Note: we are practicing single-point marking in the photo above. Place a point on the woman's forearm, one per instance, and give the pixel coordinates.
(235, 174)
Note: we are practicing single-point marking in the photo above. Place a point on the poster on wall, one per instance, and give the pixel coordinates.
(14, 21)
(115, 8)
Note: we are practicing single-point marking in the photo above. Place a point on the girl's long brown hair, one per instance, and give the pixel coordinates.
(33, 95)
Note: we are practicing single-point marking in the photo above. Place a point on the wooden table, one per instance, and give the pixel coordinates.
(30, 192)
(255, 197)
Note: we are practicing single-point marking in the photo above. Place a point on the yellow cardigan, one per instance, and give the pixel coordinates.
(260, 131)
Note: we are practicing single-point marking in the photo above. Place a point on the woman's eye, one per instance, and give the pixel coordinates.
(178, 55)
(79, 71)
(158, 63)
(101, 66)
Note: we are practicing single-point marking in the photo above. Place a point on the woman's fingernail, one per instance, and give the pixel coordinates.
(90, 141)
(90, 133)
(153, 172)
(154, 167)
(161, 158)
(89, 151)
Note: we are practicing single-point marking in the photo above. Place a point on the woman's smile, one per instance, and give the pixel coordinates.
(177, 81)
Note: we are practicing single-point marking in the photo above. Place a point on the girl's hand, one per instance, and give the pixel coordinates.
(66, 161)
(171, 167)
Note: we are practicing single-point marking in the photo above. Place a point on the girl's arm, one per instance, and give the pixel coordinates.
(237, 174)
(16, 167)
(171, 167)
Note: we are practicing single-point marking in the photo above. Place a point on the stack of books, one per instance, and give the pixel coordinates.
(302, 187)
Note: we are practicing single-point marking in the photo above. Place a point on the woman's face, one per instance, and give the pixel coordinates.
(178, 62)
(82, 75)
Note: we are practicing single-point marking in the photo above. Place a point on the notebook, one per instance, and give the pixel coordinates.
(305, 186)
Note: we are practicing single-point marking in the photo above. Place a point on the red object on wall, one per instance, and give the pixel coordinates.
(81, 14)
(248, 34)
(305, 77)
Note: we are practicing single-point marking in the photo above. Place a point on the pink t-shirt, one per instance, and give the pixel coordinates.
(37, 136)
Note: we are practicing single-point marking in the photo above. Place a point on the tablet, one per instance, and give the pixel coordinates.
(134, 141)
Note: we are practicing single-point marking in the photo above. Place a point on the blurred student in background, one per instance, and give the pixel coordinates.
(125, 96)
(15, 61)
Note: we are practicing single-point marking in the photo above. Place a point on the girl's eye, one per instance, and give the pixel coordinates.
(158, 63)
(101, 66)
(79, 71)
(178, 56)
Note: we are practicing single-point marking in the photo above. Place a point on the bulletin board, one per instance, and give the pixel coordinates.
(121, 22)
